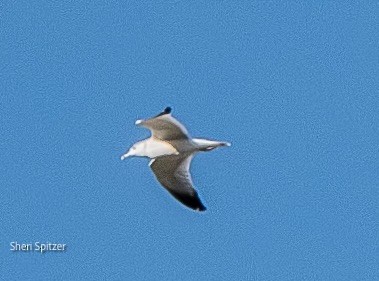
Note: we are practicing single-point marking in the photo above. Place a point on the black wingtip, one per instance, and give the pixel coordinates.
(167, 110)
(202, 208)
(191, 201)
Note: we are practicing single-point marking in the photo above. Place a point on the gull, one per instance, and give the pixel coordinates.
(171, 150)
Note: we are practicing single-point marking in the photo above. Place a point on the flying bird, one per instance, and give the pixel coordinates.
(171, 150)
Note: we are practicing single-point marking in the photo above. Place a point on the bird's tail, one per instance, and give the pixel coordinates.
(205, 145)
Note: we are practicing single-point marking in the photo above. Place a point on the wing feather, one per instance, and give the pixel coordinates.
(173, 173)
(164, 126)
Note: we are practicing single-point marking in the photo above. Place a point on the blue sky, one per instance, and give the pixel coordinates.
(292, 86)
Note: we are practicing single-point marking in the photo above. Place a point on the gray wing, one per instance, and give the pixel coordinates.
(173, 173)
(164, 126)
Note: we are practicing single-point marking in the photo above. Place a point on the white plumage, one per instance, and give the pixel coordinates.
(171, 150)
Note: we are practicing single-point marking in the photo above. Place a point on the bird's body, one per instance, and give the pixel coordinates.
(171, 150)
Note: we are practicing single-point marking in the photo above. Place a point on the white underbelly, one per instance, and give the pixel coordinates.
(158, 148)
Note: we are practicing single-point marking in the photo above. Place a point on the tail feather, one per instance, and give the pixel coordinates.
(205, 145)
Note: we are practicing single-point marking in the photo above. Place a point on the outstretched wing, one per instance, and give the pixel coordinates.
(164, 126)
(173, 173)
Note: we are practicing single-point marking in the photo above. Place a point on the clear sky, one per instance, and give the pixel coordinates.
(293, 87)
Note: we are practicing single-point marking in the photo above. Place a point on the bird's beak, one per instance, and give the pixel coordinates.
(125, 155)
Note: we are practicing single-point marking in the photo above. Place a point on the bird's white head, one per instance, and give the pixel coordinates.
(138, 149)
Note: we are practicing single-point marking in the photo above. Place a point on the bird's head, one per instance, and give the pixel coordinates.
(138, 149)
